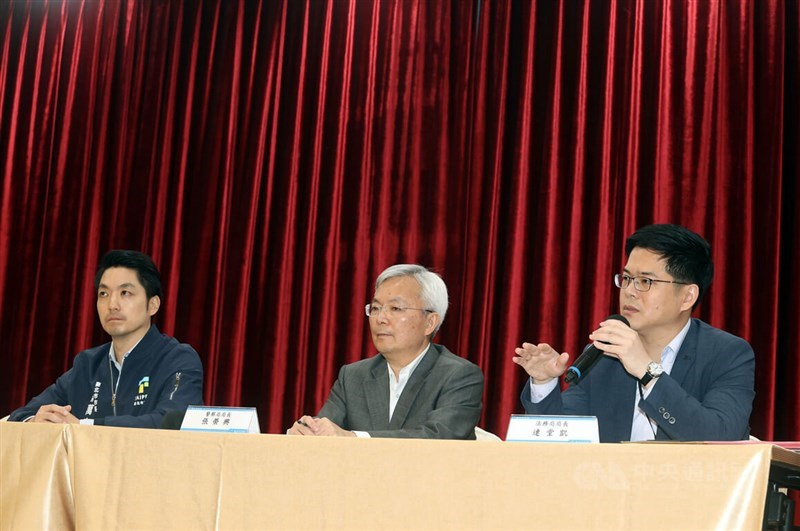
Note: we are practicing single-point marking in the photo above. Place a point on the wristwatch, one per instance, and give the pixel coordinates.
(654, 370)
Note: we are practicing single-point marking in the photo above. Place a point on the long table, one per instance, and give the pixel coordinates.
(95, 477)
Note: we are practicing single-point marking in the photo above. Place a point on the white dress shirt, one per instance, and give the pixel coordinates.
(396, 385)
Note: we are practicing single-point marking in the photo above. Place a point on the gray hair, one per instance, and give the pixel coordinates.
(431, 286)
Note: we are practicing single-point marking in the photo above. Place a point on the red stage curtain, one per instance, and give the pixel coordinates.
(274, 157)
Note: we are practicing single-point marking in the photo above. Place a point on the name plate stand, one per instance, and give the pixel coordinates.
(553, 428)
(221, 419)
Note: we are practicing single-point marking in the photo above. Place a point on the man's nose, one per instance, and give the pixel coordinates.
(113, 302)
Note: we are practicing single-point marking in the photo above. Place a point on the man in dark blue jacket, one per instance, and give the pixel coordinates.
(666, 376)
(137, 377)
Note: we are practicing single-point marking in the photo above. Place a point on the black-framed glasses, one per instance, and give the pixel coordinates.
(373, 310)
(622, 281)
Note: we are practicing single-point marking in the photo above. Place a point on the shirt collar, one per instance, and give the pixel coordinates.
(406, 371)
(113, 358)
(670, 352)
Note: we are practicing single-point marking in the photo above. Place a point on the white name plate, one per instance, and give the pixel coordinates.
(221, 419)
(553, 428)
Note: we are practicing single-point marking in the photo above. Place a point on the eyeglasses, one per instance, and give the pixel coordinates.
(372, 310)
(622, 281)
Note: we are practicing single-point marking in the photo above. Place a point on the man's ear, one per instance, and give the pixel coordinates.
(153, 305)
(431, 323)
(690, 296)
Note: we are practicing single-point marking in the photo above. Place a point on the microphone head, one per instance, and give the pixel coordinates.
(618, 317)
(589, 358)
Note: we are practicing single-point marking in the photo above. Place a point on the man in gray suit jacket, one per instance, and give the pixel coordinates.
(412, 388)
(666, 376)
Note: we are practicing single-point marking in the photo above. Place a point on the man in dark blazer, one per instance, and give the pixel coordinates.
(412, 388)
(134, 379)
(666, 376)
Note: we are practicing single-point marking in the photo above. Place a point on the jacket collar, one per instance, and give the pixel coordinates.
(376, 389)
(687, 354)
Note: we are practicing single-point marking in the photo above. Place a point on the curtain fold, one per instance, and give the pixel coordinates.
(274, 157)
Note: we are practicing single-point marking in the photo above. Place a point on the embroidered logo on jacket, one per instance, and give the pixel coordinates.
(139, 399)
(92, 407)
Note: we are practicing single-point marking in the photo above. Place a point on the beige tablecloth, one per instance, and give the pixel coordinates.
(93, 477)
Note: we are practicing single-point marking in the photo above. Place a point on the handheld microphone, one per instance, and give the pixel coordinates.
(588, 359)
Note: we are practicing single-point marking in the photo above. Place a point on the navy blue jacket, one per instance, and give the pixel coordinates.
(708, 396)
(158, 375)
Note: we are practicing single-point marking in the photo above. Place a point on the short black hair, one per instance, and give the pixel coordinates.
(146, 270)
(687, 254)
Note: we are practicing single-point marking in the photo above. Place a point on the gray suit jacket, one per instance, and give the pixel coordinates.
(442, 399)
